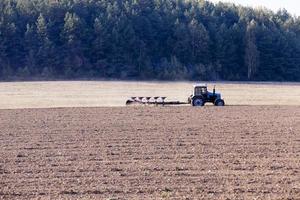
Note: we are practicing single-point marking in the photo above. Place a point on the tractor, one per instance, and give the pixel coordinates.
(201, 96)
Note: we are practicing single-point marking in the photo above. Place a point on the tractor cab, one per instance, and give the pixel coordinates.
(200, 90)
(201, 96)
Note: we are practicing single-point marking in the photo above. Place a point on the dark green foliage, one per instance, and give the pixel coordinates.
(146, 39)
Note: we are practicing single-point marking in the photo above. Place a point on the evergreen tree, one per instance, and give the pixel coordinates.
(199, 42)
(251, 52)
(181, 42)
(71, 36)
(31, 50)
(98, 53)
(44, 52)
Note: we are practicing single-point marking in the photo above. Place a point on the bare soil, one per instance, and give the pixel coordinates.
(235, 152)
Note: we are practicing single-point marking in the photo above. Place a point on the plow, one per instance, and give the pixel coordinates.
(152, 101)
(198, 98)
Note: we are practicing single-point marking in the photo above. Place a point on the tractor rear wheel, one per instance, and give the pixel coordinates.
(198, 101)
(219, 102)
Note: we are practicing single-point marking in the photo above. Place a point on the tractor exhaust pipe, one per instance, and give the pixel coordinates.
(214, 90)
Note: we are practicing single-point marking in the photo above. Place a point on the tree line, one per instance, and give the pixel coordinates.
(147, 39)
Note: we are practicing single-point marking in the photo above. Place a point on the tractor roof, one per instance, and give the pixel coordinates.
(200, 85)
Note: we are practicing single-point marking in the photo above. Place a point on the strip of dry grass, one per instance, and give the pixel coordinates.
(115, 93)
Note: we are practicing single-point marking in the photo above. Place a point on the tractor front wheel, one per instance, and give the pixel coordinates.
(198, 102)
(219, 102)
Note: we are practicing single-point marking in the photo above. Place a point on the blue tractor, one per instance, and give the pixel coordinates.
(201, 96)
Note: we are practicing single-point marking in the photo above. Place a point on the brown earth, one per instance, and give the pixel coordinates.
(235, 152)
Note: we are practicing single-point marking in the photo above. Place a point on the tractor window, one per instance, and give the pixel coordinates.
(200, 90)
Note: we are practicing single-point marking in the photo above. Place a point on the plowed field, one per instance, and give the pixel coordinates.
(235, 152)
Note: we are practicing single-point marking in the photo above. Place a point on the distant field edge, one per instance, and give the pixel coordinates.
(148, 107)
(155, 81)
